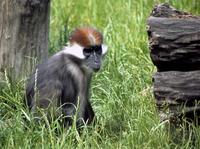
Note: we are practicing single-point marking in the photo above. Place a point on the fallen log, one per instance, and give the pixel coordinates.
(174, 39)
(176, 87)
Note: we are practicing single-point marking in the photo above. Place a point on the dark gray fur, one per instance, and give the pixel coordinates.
(58, 87)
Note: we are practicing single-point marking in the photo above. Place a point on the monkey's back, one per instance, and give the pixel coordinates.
(53, 82)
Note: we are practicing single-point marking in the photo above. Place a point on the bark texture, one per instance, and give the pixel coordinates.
(174, 39)
(176, 86)
(24, 27)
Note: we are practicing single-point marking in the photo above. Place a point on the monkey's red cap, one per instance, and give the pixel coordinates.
(86, 36)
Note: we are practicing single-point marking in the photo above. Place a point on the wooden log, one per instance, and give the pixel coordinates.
(176, 87)
(174, 38)
(177, 94)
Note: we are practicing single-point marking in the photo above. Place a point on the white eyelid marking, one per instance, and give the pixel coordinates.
(104, 49)
(75, 50)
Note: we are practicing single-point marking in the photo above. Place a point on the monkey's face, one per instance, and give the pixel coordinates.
(87, 46)
(89, 57)
(93, 57)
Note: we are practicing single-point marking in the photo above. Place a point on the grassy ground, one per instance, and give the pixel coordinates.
(121, 93)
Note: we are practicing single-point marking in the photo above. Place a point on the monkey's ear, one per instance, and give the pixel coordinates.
(104, 49)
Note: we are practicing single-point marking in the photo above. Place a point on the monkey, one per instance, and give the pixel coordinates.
(62, 82)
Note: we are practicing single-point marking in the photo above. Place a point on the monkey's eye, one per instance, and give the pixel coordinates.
(87, 51)
(98, 50)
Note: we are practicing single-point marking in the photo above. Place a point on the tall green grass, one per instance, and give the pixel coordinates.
(121, 92)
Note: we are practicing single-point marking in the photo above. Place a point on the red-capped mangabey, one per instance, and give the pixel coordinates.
(62, 82)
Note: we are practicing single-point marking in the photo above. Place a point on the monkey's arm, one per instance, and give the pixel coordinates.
(89, 113)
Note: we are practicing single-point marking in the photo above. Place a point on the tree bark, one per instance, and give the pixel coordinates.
(174, 39)
(24, 28)
(176, 86)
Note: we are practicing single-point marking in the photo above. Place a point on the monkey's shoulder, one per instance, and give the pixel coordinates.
(57, 66)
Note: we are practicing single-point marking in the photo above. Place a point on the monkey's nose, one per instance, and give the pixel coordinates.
(96, 67)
